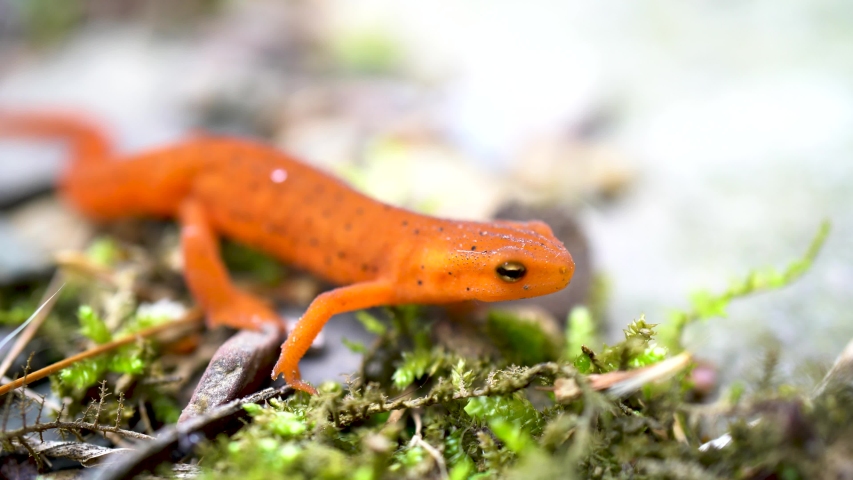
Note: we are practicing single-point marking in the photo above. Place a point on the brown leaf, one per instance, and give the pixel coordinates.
(238, 367)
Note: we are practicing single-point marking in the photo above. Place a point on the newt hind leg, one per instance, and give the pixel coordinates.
(207, 277)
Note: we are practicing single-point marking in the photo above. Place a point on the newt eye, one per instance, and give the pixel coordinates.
(511, 271)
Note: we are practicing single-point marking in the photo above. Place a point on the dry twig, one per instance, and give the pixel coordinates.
(72, 427)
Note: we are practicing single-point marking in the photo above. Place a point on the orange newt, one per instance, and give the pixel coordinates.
(255, 194)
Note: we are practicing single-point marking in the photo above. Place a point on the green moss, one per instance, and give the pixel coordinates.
(370, 323)
(104, 251)
(81, 375)
(514, 411)
(241, 259)
(580, 331)
(639, 349)
(128, 359)
(415, 365)
(140, 321)
(166, 409)
(92, 326)
(131, 359)
(521, 341)
(431, 411)
(485, 418)
(17, 314)
(354, 346)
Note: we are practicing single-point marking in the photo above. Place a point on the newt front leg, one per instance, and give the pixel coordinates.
(344, 299)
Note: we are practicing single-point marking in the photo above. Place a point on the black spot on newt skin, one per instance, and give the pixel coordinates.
(405, 223)
(364, 267)
(450, 273)
(468, 288)
(342, 255)
(440, 229)
(422, 267)
(483, 233)
(420, 282)
(416, 232)
(473, 247)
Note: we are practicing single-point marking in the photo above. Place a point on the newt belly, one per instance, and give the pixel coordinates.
(255, 194)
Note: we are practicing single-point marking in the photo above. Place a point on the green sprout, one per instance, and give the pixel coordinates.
(706, 305)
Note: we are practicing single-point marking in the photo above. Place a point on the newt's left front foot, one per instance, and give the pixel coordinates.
(343, 299)
(291, 374)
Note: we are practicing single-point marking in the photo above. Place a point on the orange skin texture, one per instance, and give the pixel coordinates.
(255, 194)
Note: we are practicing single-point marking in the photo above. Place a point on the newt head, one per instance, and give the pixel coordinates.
(492, 262)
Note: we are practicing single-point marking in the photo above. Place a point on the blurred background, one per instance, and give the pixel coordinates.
(691, 141)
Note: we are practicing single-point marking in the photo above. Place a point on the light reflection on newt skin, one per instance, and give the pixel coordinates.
(379, 254)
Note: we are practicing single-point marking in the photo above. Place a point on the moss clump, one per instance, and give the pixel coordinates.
(521, 341)
(471, 417)
(440, 414)
(129, 359)
(546, 406)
